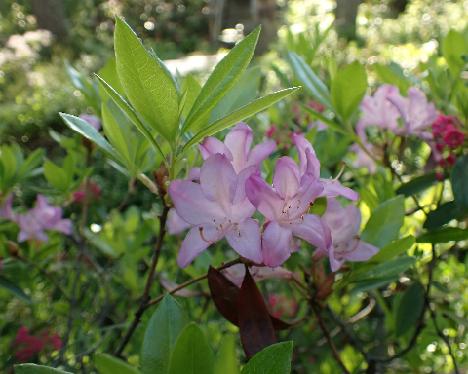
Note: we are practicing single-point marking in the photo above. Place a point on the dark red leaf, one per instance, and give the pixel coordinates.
(255, 325)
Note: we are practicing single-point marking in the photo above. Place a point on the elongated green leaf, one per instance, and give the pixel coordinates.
(459, 181)
(393, 74)
(393, 249)
(454, 47)
(275, 359)
(160, 336)
(226, 358)
(409, 308)
(348, 88)
(385, 222)
(14, 289)
(443, 214)
(417, 184)
(444, 235)
(37, 369)
(192, 353)
(312, 83)
(383, 271)
(329, 122)
(84, 128)
(130, 113)
(240, 114)
(146, 81)
(225, 75)
(56, 176)
(107, 364)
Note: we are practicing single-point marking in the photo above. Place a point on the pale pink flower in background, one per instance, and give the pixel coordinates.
(285, 206)
(344, 223)
(6, 209)
(92, 120)
(237, 148)
(40, 218)
(417, 113)
(363, 160)
(378, 110)
(216, 208)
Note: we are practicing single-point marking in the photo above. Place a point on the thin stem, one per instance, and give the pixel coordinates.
(149, 282)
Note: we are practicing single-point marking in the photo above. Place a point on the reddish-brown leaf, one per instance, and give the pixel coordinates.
(255, 325)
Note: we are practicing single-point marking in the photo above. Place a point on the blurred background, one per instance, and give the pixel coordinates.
(39, 37)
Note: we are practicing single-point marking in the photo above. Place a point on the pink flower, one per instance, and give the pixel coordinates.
(453, 137)
(236, 148)
(285, 206)
(344, 223)
(27, 345)
(215, 208)
(417, 113)
(40, 218)
(377, 110)
(236, 273)
(92, 120)
(89, 189)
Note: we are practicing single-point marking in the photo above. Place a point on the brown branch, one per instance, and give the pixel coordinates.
(149, 282)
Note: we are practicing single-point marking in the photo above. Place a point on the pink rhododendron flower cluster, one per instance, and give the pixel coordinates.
(282, 306)
(388, 110)
(89, 190)
(27, 346)
(219, 200)
(33, 224)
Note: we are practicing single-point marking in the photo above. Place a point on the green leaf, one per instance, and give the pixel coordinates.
(84, 128)
(409, 308)
(109, 73)
(192, 353)
(417, 184)
(275, 359)
(443, 214)
(14, 289)
(240, 114)
(459, 181)
(453, 49)
(37, 369)
(226, 358)
(146, 81)
(385, 222)
(225, 75)
(348, 88)
(107, 364)
(56, 176)
(444, 235)
(125, 107)
(190, 90)
(33, 161)
(329, 122)
(394, 249)
(387, 270)
(393, 74)
(311, 82)
(160, 336)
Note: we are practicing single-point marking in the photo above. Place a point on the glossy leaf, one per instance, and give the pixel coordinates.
(417, 184)
(240, 114)
(226, 359)
(348, 88)
(37, 369)
(385, 222)
(255, 326)
(160, 336)
(275, 359)
(107, 364)
(444, 235)
(443, 214)
(394, 249)
(311, 82)
(409, 308)
(225, 75)
(192, 353)
(459, 181)
(84, 128)
(146, 81)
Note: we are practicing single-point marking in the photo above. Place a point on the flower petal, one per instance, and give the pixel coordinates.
(314, 231)
(276, 244)
(307, 158)
(263, 197)
(211, 146)
(245, 240)
(362, 252)
(238, 141)
(197, 240)
(218, 180)
(192, 205)
(175, 224)
(309, 190)
(333, 188)
(260, 152)
(286, 178)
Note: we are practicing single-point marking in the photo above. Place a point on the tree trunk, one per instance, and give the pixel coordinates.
(50, 15)
(345, 18)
